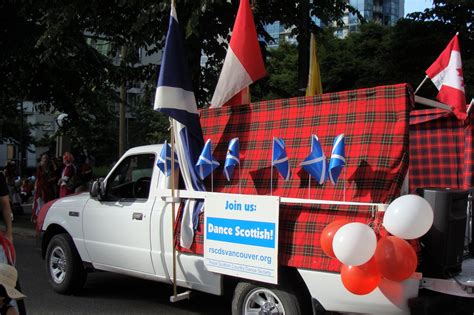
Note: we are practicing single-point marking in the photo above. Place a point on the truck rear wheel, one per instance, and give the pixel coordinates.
(64, 266)
(257, 299)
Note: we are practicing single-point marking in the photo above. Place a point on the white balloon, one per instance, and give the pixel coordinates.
(354, 244)
(408, 217)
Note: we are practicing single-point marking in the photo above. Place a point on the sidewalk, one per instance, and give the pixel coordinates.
(22, 224)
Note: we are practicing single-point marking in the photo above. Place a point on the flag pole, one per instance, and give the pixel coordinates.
(212, 174)
(309, 180)
(470, 106)
(422, 82)
(271, 168)
(173, 210)
(240, 179)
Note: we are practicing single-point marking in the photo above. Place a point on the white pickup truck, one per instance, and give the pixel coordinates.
(124, 226)
(273, 264)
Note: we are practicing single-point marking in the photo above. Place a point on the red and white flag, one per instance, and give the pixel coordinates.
(243, 63)
(446, 74)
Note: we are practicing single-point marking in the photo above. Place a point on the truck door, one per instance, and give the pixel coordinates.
(117, 229)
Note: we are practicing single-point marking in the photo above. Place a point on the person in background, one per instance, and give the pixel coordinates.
(7, 251)
(44, 190)
(69, 170)
(11, 176)
(8, 293)
(6, 209)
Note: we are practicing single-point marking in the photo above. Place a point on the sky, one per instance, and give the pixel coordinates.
(417, 5)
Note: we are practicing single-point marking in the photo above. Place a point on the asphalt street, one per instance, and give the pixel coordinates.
(104, 293)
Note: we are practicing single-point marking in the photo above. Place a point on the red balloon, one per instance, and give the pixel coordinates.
(396, 258)
(327, 235)
(361, 279)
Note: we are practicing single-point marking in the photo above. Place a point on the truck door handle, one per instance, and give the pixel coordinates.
(137, 216)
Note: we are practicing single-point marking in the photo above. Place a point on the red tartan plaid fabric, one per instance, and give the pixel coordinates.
(375, 124)
(440, 150)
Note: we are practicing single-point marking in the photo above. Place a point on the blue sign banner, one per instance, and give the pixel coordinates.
(241, 232)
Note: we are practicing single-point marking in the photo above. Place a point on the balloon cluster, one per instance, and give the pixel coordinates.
(367, 260)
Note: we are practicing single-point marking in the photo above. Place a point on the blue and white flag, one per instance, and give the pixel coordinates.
(175, 97)
(164, 160)
(232, 158)
(206, 162)
(338, 158)
(280, 158)
(315, 162)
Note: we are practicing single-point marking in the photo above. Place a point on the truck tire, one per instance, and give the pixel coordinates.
(64, 266)
(250, 298)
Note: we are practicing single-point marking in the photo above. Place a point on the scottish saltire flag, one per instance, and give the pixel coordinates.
(315, 162)
(232, 158)
(175, 97)
(280, 158)
(206, 162)
(338, 158)
(174, 93)
(164, 160)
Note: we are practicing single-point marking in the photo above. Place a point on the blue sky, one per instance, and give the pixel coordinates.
(417, 5)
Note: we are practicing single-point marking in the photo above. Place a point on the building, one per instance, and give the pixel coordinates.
(45, 124)
(385, 12)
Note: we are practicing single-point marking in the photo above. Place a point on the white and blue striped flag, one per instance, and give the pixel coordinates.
(315, 162)
(175, 97)
(164, 160)
(280, 158)
(232, 158)
(206, 163)
(338, 158)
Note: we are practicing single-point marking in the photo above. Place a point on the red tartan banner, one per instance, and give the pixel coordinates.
(375, 124)
(440, 150)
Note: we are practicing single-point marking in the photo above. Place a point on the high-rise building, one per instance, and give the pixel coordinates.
(385, 12)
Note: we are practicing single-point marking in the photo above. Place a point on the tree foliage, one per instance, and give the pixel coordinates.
(46, 58)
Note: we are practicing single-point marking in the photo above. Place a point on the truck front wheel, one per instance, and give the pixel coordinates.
(64, 266)
(256, 299)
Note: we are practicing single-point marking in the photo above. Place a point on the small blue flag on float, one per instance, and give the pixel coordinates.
(315, 162)
(232, 158)
(338, 159)
(164, 160)
(206, 162)
(280, 158)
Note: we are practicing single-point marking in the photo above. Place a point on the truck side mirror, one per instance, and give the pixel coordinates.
(97, 189)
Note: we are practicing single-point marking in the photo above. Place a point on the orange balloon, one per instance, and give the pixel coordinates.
(361, 279)
(396, 258)
(327, 235)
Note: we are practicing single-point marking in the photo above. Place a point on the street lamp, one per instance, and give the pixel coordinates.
(62, 142)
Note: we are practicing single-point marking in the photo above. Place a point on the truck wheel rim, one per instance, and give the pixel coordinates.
(262, 301)
(58, 265)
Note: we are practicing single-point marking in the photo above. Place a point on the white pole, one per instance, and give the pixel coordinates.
(173, 210)
(470, 106)
(271, 168)
(240, 179)
(422, 82)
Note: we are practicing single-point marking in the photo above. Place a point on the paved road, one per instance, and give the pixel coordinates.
(104, 293)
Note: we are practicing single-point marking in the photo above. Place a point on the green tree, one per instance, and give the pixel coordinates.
(282, 79)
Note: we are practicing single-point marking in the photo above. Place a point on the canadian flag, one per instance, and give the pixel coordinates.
(243, 63)
(446, 74)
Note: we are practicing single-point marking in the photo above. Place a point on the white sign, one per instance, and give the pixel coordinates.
(241, 236)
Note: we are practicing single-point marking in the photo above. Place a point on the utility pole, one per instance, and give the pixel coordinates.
(22, 151)
(123, 103)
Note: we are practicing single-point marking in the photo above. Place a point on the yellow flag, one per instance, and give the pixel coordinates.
(314, 77)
